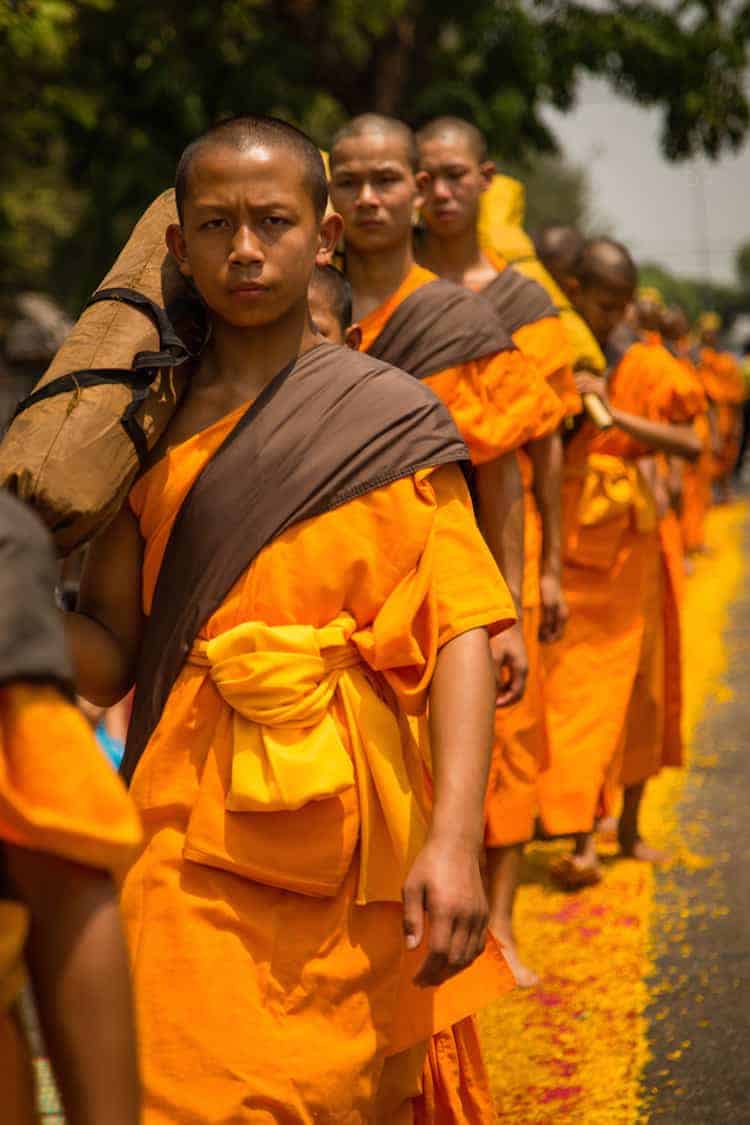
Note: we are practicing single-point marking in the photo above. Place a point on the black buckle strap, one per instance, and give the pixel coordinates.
(137, 378)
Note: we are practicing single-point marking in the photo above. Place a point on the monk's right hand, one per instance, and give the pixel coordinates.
(445, 887)
(511, 665)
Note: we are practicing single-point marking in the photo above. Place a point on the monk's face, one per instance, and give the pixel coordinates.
(452, 182)
(649, 314)
(602, 307)
(709, 338)
(250, 235)
(374, 189)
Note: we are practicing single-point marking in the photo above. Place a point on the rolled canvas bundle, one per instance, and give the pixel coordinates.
(78, 441)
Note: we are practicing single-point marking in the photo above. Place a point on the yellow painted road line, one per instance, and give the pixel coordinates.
(573, 1050)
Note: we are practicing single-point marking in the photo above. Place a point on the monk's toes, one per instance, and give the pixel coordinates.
(573, 873)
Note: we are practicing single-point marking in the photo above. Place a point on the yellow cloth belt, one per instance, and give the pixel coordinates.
(613, 487)
(281, 682)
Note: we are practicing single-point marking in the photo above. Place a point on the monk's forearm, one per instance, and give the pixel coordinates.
(462, 707)
(547, 458)
(676, 440)
(79, 968)
(104, 669)
(501, 518)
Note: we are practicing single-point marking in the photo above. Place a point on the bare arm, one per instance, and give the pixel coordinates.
(445, 881)
(79, 968)
(679, 440)
(547, 458)
(105, 633)
(501, 518)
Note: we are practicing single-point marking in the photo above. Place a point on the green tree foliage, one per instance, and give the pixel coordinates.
(99, 96)
(742, 264)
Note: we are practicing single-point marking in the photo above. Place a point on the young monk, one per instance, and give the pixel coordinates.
(724, 385)
(455, 173)
(286, 585)
(449, 339)
(605, 677)
(66, 829)
(443, 336)
(329, 297)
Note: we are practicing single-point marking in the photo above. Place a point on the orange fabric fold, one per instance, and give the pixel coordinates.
(58, 793)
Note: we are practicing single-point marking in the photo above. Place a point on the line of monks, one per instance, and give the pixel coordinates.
(391, 610)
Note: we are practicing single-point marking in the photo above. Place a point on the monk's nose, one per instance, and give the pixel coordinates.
(245, 247)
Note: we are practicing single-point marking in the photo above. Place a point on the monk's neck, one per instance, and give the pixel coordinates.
(458, 259)
(376, 277)
(243, 361)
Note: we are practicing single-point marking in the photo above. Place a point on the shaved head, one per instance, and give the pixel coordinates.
(448, 128)
(335, 292)
(559, 248)
(246, 131)
(377, 124)
(674, 322)
(605, 263)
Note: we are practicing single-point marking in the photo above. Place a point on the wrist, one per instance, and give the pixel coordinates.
(462, 838)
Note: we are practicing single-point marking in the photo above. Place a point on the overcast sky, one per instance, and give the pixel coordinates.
(652, 205)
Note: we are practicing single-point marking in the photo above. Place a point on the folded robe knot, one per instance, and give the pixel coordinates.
(613, 487)
(288, 749)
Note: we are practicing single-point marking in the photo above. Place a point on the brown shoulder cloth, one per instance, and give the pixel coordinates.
(331, 426)
(440, 325)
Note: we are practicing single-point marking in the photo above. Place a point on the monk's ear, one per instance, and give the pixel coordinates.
(423, 182)
(331, 229)
(487, 170)
(176, 245)
(353, 337)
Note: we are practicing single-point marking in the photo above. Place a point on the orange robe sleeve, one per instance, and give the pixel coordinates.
(58, 793)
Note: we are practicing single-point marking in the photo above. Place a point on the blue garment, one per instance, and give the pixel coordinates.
(112, 747)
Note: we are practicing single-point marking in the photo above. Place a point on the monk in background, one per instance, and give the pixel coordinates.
(612, 578)
(450, 340)
(558, 248)
(696, 478)
(454, 174)
(67, 832)
(724, 385)
(285, 624)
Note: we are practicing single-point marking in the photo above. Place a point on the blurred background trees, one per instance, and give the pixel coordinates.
(98, 97)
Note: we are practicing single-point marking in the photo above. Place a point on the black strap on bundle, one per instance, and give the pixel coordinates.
(137, 378)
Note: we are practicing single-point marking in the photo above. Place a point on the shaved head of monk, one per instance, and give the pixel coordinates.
(649, 311)
(251, 194)
(454, 172)
(330, 301)
(558, 248)
(674, 323)
(605, 277)
(373, 182)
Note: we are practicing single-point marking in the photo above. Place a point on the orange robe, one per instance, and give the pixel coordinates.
(521, 746)
(267, 988)
(724, 385)
(499, 404)
(58, 794)
(696, 476)
(605, 679)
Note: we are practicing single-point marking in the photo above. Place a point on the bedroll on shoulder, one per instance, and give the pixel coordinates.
(79, 440)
